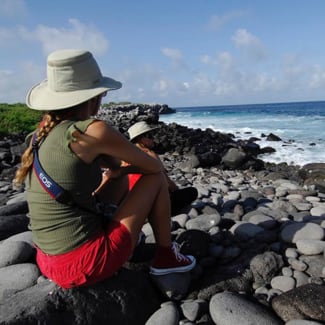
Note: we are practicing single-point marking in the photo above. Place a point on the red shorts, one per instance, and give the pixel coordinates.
(95, 260)
(133, 178)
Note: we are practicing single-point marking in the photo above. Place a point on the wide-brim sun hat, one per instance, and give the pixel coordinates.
(140, 128)
(73, 77)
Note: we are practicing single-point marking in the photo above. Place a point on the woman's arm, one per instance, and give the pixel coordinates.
(102, 139)
(172, 186)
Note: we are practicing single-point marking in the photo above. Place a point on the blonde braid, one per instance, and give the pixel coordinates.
(50, 120)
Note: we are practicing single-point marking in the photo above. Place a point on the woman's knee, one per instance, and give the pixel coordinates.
(157, 179)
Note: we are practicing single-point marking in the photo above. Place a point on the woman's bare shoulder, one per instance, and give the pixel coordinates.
(100, 128)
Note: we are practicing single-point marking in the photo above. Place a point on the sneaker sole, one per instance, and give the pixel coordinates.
(180, 269)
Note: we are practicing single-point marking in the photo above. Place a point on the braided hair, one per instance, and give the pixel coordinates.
(49, 121)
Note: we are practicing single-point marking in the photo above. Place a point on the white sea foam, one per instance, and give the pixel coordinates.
(303, 137)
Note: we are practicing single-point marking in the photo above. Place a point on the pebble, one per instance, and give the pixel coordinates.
(283, 283)
(193, 310)
(302, 322)
(293, 232)
(15, 252)
(232, 308)
(17, 277)
(167, 314)
(310, 246)
(204, 222)
(300, 277)
(245, 230)
(318, 210)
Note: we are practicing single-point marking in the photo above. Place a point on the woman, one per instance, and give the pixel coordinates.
(76, 245)
(140, 134)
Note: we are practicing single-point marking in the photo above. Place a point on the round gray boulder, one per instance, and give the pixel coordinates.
(232, 308)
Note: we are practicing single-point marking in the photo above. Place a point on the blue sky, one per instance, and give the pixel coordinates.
(175, 52)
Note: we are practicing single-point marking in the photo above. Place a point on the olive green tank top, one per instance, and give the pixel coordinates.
(56, 227)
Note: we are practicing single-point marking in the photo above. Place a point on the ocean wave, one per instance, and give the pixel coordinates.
(300, 126)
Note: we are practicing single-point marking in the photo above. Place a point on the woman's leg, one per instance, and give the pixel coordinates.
(148, 199)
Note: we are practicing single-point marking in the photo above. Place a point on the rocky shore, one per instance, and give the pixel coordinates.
(256, 230)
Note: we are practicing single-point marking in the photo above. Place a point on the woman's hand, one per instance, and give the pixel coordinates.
(107, 175)
(111, 173)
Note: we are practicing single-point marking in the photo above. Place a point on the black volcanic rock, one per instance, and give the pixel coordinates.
(209, 146)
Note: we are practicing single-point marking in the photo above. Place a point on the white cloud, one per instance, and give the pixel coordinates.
(182, 89)
(217, 21)
(12, 8)
(202, 85)
(140, 83)
(225, 81)
(206, 59)
(6, 36)
(249, 42)
(224, 88)
(20, 75)
(225, 60)
(160, 87)
(6, 80)
(14, 84)
(301, 76)
(186, 85)
(175, 55)
(79, 35)
(243, 38)
(317, 78)
(222, 77)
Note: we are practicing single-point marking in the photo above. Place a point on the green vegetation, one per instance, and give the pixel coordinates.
(108, 105)
(18, 118)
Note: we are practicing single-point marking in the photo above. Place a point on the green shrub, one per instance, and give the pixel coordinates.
(110, 104)
(18, 118)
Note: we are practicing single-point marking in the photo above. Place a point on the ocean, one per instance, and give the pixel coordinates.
(300, 125)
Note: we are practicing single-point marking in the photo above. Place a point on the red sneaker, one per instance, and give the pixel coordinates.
(170, 260)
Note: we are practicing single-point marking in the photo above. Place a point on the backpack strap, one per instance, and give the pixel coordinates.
(57, 192)
(61, 195)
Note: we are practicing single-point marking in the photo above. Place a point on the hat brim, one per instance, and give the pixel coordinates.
(42, 98)
(143, 132)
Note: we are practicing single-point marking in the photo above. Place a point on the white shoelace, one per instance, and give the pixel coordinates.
(180, 257)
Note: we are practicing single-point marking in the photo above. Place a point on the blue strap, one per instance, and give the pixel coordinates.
(49, 185)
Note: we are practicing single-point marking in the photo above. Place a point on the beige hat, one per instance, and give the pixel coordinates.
(139, 128)
(73, 77)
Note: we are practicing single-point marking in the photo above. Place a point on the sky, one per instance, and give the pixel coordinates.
(174, 52)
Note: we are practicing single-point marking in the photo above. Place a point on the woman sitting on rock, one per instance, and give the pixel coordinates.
(141, 135)
(76, 244)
